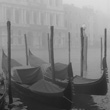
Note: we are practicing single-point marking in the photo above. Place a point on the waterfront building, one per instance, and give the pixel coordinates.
(33, 18)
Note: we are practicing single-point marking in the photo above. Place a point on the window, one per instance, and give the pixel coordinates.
(43, 18)
(57, 19)
(19, 33)
(51, 2)
(4, 41)
(36, 17)
(34, 1)
(12, 40)
(60, 20)
(37, 39)
(44, 1)
(39, 18)
(48, 18)
(57, 3)
(17, 16)
(9, 13)
(51, 18)
(28, 17)
(4, 32)
(20, 41)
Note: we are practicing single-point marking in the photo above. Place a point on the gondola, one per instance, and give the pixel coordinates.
(92, 87)
(41, 91)
(60, 68)
(26, 80)
(56, 100)
(2, 94)
(85, 85)
(5, 62)
(35, 61)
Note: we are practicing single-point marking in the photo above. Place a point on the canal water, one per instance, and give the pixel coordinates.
(94, 71)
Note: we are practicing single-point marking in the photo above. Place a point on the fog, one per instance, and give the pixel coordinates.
(34, 18)
(102, 5)
(66, 16)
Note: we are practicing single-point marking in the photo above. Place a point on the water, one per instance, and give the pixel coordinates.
(61, 55)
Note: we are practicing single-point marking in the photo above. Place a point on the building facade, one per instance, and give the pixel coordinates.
(33, 18)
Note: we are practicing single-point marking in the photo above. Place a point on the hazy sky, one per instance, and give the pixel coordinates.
(96, 4)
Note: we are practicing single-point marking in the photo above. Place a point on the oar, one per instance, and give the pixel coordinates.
(69, 48)
(9, 61)
(26, 49)
(52, 51)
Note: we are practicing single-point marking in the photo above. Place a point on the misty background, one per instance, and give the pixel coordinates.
(34, 18)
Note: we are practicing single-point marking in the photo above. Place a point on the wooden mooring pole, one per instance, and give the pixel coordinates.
(69, 48)
(49, 48)
(101, 55)
(82, 45)
(26, 49)
(9, 61)
(105, 44)
(52, 51)
(105, 54)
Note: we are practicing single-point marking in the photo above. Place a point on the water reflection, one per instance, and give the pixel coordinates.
(102, 102)
(95, 102)
(85, 102)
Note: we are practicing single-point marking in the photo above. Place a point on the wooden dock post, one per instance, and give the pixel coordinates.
(105, 44)
(101, 55)
(52, 51)
(26, 49)
(9, 61)
(82, 45)
(69, 48)
(49, 48)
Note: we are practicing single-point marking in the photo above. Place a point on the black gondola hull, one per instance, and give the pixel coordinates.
(91, 87)
(98, 87)
(35, 99)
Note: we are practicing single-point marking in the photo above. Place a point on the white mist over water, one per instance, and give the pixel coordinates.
(101, 5)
